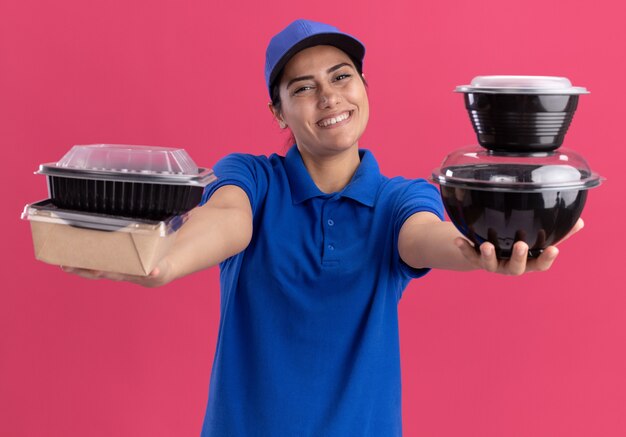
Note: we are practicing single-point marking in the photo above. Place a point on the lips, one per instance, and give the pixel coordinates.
(335, 119)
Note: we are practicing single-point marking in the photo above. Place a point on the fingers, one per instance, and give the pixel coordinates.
(156, 278)
(516, 265)
(83, 273)
(544, 261)
(468, 251)
(485, 260)
(488, 258)
(97, 274)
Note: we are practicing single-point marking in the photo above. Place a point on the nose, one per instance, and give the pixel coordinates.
(328, 97)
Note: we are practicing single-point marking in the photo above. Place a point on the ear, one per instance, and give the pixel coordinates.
(277, 115)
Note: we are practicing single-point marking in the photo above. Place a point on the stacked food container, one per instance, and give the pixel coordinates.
(115, 207)
(519, 184)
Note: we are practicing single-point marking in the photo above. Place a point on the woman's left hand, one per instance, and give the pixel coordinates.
(519, 262)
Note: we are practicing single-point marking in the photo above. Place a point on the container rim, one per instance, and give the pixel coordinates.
(592, 181)
(45, 211)
(468, 89)
(521, 84)
(204, 177)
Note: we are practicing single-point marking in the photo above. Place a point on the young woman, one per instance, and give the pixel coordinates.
(315, 249)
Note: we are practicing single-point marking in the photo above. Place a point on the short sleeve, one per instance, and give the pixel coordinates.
(248, 172)
(417, 196)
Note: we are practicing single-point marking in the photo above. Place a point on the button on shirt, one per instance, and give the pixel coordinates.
(308, 337)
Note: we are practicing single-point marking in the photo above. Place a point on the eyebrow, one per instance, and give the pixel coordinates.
(330, 70)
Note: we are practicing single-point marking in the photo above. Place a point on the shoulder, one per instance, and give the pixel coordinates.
(249, 166)
(405, 197)
(252, 173)
(400, 187)
(233, 161)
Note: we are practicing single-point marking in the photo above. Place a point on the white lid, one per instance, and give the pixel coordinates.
(521, 85)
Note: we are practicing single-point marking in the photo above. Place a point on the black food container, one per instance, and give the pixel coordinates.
(521, 113)
(503, 198)
(142, 182)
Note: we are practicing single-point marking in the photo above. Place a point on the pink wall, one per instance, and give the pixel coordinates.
(540, 355)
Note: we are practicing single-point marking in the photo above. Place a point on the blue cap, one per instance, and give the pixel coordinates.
(302, 34)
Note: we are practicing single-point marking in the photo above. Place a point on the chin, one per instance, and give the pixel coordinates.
(330, 145)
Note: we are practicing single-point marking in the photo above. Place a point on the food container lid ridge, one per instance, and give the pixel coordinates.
(129, 158)
(132, 163)
(477, 168)
(510, 84)
(204, 177)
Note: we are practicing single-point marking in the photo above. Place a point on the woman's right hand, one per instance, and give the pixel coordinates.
(158, 276)
(213, 232)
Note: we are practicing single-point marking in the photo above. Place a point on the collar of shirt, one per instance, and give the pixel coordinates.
(363, 187)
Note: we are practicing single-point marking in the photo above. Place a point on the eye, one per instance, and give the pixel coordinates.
(302, 89)
(343, 76)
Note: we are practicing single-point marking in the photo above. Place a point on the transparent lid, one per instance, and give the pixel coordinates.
(478, 168)
(129, 159)
(521, 85)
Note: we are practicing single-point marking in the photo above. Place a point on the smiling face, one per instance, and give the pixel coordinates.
(323, 101)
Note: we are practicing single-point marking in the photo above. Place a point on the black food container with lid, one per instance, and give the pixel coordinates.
(143, 182)
(517, 186)
(521, 113)
(504, 197)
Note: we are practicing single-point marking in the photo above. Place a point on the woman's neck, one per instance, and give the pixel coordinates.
(331, 173)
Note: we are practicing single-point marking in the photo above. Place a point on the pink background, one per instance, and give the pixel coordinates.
(540, 355)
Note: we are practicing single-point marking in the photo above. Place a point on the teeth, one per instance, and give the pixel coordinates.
(334, 120)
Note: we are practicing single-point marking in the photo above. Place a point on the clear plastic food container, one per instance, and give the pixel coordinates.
(126, 180)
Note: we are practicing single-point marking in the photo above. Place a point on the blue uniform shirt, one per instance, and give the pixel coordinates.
(308, 337)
